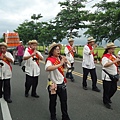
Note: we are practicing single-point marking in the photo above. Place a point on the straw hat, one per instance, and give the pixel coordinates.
(53, 45)
(91, 39)
(110, 45)
(29, 42)
(33, 42)
(3, 44)
(70, 40)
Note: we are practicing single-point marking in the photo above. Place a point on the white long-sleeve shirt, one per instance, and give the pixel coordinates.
(88, 59)
(31, 67)
(55, 76)
(5, 70)
(69, 56)
(111, 69)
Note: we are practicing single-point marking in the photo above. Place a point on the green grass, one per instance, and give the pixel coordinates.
(100, 50)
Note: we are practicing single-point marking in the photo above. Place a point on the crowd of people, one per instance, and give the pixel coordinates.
(54, 65)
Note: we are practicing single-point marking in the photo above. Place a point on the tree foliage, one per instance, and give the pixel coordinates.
(105, 22)
(72, 17)
(29, 30)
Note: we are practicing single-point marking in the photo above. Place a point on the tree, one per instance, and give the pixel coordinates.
(2, 39)
(51, 32)
(72, 17)
(29, 30)
(105, 22)
(36, 17)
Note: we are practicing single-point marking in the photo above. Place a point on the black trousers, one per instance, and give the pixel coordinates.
(20, 59)
(93, 77)
(109, 89)
(62, 93)
(31, 81)
(5, 88)
(69, 74)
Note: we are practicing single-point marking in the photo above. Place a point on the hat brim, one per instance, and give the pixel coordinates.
(33, 43)
(93, 40)
(59, 45)
(111, 47)
(71, 41)
(1, 44)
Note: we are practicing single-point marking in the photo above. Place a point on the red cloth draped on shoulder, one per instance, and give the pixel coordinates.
(110, 57)
(6, 61)
(90, 47)
(56, 61)
(70, 48)
(32, 51)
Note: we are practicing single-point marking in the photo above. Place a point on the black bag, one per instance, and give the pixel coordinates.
(112, 77)
(23, 68)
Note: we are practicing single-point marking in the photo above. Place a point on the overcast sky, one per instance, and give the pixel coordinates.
(14, 12)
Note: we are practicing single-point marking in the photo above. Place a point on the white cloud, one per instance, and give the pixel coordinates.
(16, 11)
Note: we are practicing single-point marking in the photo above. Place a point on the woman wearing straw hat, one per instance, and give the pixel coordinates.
(88, 64)
(57, 81)
(32, 59)
(6, 59)
(69, 52)
(110, 66)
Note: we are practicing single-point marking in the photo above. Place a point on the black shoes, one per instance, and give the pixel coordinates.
(26, 94)
(110, 101)
(85, 88)
(8, 100)
(72, 80)
(33, 95)
(96, 89)
(36, 96)
(107, 105)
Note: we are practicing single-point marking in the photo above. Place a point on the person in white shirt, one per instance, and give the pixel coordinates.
(110, 65)
(32, 59)
(88, 64)
(69, 52)
(57, 81)
(6, 59)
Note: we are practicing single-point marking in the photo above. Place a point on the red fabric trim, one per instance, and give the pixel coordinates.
(6, 61)
(70, 48)
(56, 61)
(110, 56)
(90, 47)
(32, 51)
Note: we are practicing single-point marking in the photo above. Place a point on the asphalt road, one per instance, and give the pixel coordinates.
(82, 105)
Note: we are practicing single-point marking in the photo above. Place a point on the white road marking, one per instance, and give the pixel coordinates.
(5, 110)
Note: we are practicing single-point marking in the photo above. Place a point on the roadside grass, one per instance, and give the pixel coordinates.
(79, 50)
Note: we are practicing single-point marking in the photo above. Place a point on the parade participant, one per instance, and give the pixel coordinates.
(20, 51)
(6, 59)
(88, 64)
(110, 66)
(69, 52)
(56, 81)
(32, 59)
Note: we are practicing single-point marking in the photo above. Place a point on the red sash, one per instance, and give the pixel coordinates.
(70, 48)
(6, 61)
(30, 52)
(55, 61)
(110, 57)
(90, 47)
